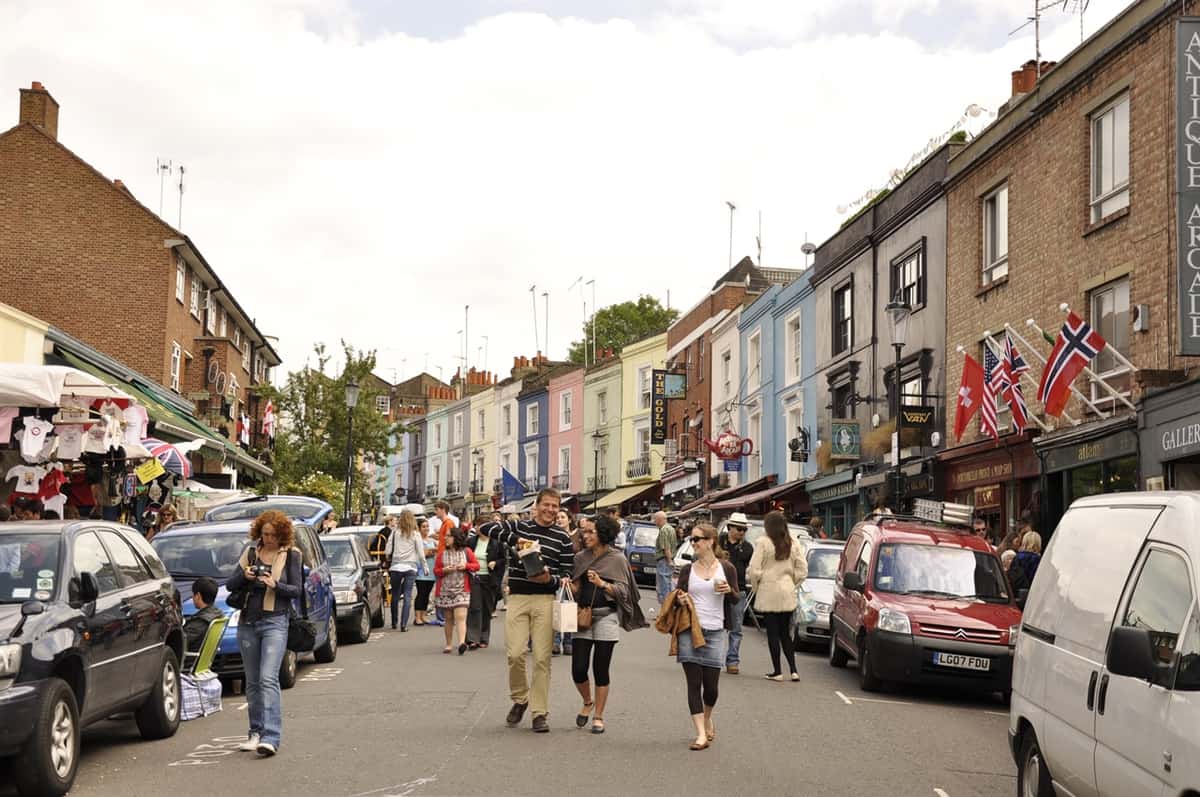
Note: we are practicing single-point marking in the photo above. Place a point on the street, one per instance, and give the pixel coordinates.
(395, 716)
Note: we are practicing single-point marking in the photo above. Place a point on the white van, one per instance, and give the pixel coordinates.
(1106, 680)
(396, 509)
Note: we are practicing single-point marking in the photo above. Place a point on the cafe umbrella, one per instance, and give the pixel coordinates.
(171, 457)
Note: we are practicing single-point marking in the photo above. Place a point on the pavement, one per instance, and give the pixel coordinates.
(394, 716)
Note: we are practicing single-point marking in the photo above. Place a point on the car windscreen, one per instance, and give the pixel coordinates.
(248, 510)
(823, 562)
(645, 536)
(28, 566)
(939, 572)
(195, 555)
(340, 554)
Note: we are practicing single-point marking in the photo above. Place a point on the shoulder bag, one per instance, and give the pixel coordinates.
(302, 634)
(585, 612)
(237, 598)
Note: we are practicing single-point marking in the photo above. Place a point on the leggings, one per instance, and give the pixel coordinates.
(779, 634)
(423, 590)
(702, 686)
(581, 650)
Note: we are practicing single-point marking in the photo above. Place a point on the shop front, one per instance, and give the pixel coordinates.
(1096, 458)
(881, 485)
(835, 500)
(999, 480)
(1169, 430)
(681, 484)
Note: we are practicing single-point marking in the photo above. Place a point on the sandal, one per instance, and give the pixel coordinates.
(694, 746)
(582, 719)
(597, 725)
(472, 646)
(446, 650)
(711, 730)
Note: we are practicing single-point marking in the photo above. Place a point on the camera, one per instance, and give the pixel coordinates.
(259, 570)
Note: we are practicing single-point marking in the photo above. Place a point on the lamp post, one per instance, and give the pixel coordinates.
(474, 477)
(351, 403)
(597, 441)
(899, 310)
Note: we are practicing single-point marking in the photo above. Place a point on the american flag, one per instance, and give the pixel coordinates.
(1015, 365)
(991, 378)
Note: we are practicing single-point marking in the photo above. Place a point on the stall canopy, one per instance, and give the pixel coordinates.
(623, 494)
(729, 492)
(752, 498)
(24, 385)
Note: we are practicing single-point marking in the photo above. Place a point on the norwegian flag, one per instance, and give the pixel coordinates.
(991, 377)
(1077, 345)
(1014, 364)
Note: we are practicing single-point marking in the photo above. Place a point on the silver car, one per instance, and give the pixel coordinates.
(815, 595)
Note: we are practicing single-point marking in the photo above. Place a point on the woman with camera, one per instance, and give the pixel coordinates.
(270, 575)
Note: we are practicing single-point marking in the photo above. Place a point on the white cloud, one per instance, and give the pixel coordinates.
(352, 184)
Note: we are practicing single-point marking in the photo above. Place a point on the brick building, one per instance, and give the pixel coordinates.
(79, 251)
(1068, 198)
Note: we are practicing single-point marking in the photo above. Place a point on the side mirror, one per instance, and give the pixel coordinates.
(1131, 653)
(853, 582)
(29, 608)
(89, 587)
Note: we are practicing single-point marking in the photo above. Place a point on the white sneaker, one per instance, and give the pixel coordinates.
(266, 749)
(251, 744)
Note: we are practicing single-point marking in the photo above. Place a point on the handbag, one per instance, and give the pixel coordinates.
(565, 618)
(302, 633)
(237, 598)
(585, 612)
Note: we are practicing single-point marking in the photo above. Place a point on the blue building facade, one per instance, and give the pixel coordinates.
(793, 401)
(533, 425)
(756, 380)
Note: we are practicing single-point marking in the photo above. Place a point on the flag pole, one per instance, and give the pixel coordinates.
(996, 439)
(1112, 391)
(1041, 424)
(1036, 354)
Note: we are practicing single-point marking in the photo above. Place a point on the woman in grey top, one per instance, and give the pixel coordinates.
(603, 581)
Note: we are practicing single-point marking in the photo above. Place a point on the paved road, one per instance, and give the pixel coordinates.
(396, 717)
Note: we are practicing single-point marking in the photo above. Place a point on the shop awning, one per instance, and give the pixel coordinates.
(23, 385)
(623, 494)
(762, 495)
(729, 492)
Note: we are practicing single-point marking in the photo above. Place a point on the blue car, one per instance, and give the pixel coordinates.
(192, 550)
(310, 511)
(640, 537)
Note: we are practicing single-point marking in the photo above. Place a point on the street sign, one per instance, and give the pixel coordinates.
(800, 456)
(733, 465)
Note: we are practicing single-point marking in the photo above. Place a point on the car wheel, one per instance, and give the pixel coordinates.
(158, 717)
(47, 763)
(1033, 779)
(837, 656)
(287, 670)
(328, 652)
(867, 679)
(363, 632)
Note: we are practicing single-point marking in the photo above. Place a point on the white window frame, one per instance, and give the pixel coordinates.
(793, 418)
(754, 432)
(995, 240)
(482, 414)
(532, 420)
(506, 461)
(194, 303)
(564, 471)
(794, 347)
(180, 279)
(246, 355)
(456, 462)
(644, 387)
(210, 313)
(456, 430)
(641, 439)
(602, 407)
(754, 360)
(727, 372)
(176, 364)
(222, 323)
(700, 346)
(383, 403)
(437, 435)
(237, 337)
(531, 456)
(1107, 200)
(1119, 289)
(564, 411)
(506, 420)
(437, 477)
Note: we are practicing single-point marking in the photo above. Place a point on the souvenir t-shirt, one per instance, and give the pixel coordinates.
(56, 503)
(52, 482)
(70, 441)
(6, 418)
(136, 422)
(29, 479)
(34, 439)
(95, 440)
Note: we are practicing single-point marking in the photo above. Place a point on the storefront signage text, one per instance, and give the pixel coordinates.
(1187, 156)
(1185, 436)
(1115, 445)
(918, 418)
(987, 497)
(658, 407)
(830, 493)
(1001, 471)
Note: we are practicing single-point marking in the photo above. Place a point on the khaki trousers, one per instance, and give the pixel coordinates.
(529, 618)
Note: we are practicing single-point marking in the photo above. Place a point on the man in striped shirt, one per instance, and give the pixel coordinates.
(529, 618)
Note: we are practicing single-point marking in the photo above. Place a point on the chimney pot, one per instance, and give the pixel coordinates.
(39, 109)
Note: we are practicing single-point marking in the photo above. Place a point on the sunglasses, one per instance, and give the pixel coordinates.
(695, 540)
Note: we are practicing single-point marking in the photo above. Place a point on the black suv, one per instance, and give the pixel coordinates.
(89, 627)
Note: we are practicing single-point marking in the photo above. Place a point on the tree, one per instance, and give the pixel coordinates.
(621, 324)
(310, 448)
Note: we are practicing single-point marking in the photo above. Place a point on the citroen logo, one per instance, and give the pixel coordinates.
(960, 634)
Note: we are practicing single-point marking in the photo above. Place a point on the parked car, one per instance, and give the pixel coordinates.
(357, 585)
(89, 628)
(309, 511)
(191, 550)
(919, 601)
(1106, 682)
(816, 593)
(640, 537)
(375, 538)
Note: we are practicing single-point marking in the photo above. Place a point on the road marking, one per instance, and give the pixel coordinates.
(940, 793)
(877, 700)
(242, 706)
(205, 752)
(997, 713)
(322, 674)
(378, 635)
(845, 699)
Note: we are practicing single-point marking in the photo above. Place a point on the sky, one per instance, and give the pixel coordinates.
(365, 170)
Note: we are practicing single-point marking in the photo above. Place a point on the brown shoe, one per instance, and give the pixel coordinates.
(732, 669)
(515, 713)
(540, 724)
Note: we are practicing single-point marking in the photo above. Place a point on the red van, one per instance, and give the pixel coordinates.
(919, 601)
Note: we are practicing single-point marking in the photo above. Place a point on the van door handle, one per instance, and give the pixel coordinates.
(1103, 692)
(1091, 699)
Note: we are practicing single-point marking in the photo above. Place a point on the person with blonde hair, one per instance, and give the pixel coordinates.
(405, 553)
(1025, 565)
(778, 566)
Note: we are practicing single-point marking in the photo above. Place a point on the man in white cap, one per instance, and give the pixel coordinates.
(740, 552)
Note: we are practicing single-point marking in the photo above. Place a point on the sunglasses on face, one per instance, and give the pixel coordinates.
(697, 539)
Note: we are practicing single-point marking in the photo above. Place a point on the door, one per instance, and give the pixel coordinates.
(842, 606)
(1130, 714)
(317, 580)
(1180, 755)
(145, 604)
(107, 624)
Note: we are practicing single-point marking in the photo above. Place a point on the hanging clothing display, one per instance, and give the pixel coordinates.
(70, 441)
(29, 479)
(6, 418)
(34, 437)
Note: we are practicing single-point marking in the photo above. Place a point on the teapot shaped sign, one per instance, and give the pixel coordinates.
(729, 445)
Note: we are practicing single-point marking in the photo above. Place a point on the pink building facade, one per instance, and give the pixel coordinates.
(566, 432)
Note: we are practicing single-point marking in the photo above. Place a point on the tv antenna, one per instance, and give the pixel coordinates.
(181, 171)
(163, 167)
(1069, 6)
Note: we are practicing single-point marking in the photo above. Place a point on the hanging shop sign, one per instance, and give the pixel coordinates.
(676, 386)
(846, 440)
(729, 445)
(658, 407)
(1187, 153)
(920, 417)
(987, 497)
(150, 470)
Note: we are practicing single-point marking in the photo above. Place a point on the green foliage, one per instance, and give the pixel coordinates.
(959, 137)
(621, 324)
(310, 447)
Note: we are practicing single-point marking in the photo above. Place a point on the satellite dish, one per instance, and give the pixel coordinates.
(807, 247)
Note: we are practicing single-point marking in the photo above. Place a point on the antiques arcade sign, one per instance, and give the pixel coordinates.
(1187, 180)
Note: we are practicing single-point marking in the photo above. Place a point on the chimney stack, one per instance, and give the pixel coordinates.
(39, 109)
(1025, 79)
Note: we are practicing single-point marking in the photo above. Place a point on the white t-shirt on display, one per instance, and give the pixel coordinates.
(58, 503)
(136, 422)
(70, 441)
(34, 438)
(6, 418)
(95, 439)
(29, 478)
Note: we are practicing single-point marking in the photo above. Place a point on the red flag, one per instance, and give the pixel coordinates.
(970, 395)
(1077, 345)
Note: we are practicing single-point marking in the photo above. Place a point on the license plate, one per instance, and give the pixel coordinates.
(962, 662)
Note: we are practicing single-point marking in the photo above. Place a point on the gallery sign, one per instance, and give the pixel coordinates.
(1187, 180)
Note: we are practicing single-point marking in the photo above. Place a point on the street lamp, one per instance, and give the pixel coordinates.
(899, 310)
(475, 452)
(351, 403)
(597, 442)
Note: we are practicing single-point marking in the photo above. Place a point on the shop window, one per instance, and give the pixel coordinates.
(843, 318)
(995, 235)
(1110, 317)
(908, 276)
(1110, 159)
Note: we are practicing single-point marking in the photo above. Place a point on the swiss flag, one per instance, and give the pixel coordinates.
(970, 394)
